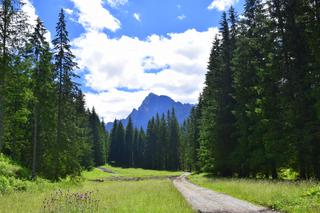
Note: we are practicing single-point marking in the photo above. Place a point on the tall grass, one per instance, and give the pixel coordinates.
(108, 196)
(287, 196)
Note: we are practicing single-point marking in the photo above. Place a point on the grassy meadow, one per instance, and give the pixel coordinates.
(285, 196)
(89, 195)
(132, 190)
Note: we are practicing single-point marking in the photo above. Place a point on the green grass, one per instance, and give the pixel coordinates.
(286, 196)
(127, 172)
(113, 196)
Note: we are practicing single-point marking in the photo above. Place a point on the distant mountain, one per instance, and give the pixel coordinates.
(152, 105)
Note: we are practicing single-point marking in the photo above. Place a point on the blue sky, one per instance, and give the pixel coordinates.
(128, 48)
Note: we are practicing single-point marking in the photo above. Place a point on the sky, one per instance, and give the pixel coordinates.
(126, 49)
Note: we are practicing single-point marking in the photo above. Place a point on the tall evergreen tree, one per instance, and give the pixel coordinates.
(98, 139)
(66, 89)
(43, 90)
(128, 146)
(173, 141)
(13, 34)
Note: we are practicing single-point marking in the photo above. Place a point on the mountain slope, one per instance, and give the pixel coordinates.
(152, 105)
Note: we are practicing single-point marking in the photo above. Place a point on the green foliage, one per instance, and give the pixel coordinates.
(157, 149)
(288, 174)
(99, 139)
(258, 109)
(12, 176)
(10, 169)
(313, 192)
(44, 124)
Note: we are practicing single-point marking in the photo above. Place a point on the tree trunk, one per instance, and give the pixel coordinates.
(58, 135)
(1, 113)
(35, 141)
(274, 172)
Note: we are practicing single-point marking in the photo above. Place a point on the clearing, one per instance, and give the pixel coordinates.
(145, 195)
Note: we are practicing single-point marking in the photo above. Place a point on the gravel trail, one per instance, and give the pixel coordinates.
(207, 201)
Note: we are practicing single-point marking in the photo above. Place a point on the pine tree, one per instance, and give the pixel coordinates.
(120, 148)
(98, 139)
(135, 148)
(140, 148)
(113, 144)
(173, 142)
(84, 131)
(66, 90)
(128, 147)
(150, 145)
(43, 90)
(13, 34)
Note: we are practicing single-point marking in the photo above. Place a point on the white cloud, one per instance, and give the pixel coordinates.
(68, 11)
(114, 104)
(30, 11)
(117, 3)
(181, 17)
(137, 16)
(93, 16)
(221, 4)
(122, 62)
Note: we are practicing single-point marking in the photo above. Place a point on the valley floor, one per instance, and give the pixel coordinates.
(111, 189)
(107, 194)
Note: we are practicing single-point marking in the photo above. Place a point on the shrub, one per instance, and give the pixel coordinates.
(4, 184)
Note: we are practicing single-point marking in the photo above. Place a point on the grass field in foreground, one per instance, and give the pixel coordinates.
(297, 197)
(111, 196)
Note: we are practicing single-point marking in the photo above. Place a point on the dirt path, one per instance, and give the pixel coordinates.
(106, 170)
(204, 200)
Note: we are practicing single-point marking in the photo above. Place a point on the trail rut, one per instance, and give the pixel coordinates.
(207, 201)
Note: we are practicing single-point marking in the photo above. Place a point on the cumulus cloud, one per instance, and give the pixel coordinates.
(93, 16)
(221, 5)
(137, 17)
(179, 58)
(117, 3)
(114, 103)
(68, 11)
(30, 11)
(122, 71)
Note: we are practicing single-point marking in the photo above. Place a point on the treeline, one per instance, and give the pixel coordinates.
(44, 124)
(157, 148)
(260, 109)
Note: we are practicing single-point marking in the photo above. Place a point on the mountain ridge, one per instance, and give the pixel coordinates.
(152, 105)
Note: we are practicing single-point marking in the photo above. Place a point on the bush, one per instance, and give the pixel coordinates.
(10, 169)
(4, 184)
(12, 176)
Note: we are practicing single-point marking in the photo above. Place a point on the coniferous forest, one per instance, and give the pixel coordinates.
(44, 124)
(259, 112)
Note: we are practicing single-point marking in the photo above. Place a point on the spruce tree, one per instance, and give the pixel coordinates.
(66, 90)
(13, 35)
(43, 91)
(128, 147)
